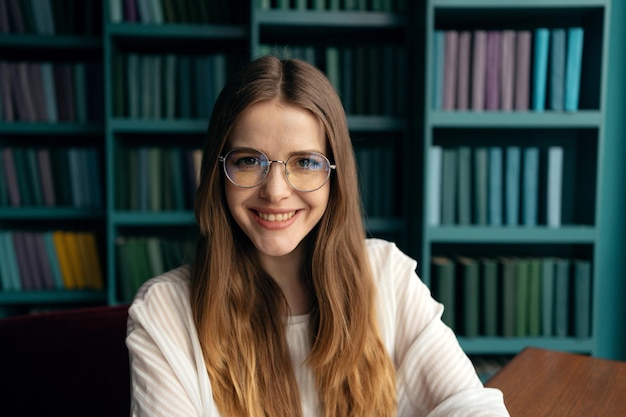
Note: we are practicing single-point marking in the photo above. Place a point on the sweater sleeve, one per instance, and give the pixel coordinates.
(435, 377)
(167, 370)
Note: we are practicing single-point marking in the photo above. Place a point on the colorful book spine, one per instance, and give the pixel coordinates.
(540, 68)
(575, 37)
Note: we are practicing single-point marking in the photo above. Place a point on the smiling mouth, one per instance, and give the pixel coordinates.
(276, 217)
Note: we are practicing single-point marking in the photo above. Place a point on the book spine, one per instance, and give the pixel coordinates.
(540, 68)
(575, 37)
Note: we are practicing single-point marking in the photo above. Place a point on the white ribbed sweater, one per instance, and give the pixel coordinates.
(434, 376)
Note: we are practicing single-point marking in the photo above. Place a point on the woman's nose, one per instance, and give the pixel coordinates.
(275, 186)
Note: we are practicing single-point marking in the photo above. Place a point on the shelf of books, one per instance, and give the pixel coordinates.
(51, 142)
(165, 64)
(513, 143)
(362, 49)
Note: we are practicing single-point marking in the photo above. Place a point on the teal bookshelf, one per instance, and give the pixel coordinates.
(400, 40)
(581, 132)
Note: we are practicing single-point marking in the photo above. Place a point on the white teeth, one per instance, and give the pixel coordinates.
(279, 217)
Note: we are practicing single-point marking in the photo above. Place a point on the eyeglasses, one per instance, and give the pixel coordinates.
(248, 168)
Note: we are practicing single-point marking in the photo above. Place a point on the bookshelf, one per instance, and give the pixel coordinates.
(466, 221)
(380, 58)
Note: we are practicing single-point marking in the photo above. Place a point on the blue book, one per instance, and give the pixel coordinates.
(439, 53)
(11, 260)
(540, 68)
(557, 69)
(512, 186)
(495, 186)
(6, 281)
(530, 186)
(573, 67)
(57, 275)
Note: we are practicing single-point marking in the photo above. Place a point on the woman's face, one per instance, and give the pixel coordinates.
(275, 216)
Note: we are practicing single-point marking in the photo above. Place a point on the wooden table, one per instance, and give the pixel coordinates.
(540, 382)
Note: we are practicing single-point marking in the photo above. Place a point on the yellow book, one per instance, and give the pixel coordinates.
(76, 263)
(67, 272)
(93, 264)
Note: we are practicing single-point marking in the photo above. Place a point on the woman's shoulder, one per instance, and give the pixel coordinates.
(170, 284)
(383, 252)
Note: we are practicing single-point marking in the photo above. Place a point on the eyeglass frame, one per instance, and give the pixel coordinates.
(222, 159)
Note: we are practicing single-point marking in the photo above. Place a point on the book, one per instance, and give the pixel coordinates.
(493, 70)
(554, 194)
(547, 295)
(44, 267)
(479, 69)
(582, 298)
(53, 257)
(530, 186)
(10, 173)
(464, 63)
(9, 259)
(512, 184)
(469, 275)
(575, 37)
(490, 296)
(49, 93)
(561, 297)
(557, 69)
(449, 191)
(522, 70)
(434, 185)
(481, 184)
(444, 287)
(33, 176)
(6, 280)
(439, 58)
(495, 186)
(509, 296)
(154, 170)
(534, 297)
(24, 261)
(540, 68)
(4, 192)
(522, 278)
(507, 68)
(464, 185)
(450, 69)
(65, 260)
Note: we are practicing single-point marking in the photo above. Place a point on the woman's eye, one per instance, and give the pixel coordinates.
(309, 163)
(247, 161)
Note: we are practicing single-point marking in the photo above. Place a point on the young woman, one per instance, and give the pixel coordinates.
(287, 309)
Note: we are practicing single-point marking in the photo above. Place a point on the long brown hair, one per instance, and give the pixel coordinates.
(238, 308)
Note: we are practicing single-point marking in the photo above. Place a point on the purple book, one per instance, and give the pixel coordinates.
(10, 174)
(507, 78)
(492, 81)
(465, 44)
(450, 69)
(479, 65)
(522, 70)
(130, 10)
(23, 261)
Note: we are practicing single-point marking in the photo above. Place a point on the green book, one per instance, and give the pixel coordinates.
(547, 296)
(34, 176)
(444, 287)
(490, 288)
(562, 298)
(534, 297)
(469, 276)
(124, 268)
(155, 256)
(582, 298)
(480, 196)
(449, 179)
(155, 178)
(464, 185)
(509, 296)
(522, 279)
